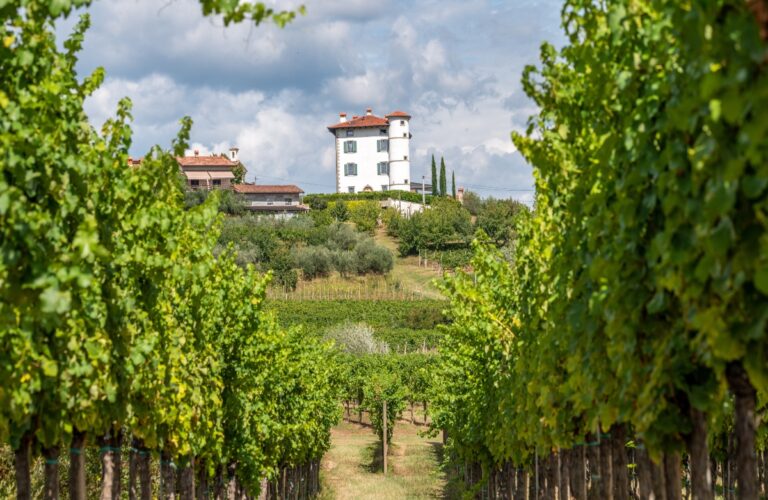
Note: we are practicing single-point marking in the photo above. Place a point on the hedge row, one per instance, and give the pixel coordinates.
(320, 200)
(379, 314)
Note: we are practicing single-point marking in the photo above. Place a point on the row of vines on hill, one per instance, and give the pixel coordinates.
(116, 320)
(632, 325)
(402, 380)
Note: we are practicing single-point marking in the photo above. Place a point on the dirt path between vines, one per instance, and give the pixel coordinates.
(352, 468)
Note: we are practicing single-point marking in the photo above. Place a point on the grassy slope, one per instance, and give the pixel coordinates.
(407, 270)
(407, 281)
(352, 468)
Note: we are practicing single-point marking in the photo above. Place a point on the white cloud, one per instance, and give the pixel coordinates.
(454, 65)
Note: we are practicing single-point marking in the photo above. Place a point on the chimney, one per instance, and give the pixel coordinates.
(197, 153)
(342, 118)
(233, 154)
(368, 112)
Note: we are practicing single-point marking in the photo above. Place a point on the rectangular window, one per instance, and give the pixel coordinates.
(194, 183)
(350, 132)
(385, 187)
(351, 189)
(382, 168)
(382, 145)
(383, 131)
(402, 122)
(350, 146)
(350, 169)
(217, 182)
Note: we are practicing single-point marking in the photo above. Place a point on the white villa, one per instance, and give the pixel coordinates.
(372, 153)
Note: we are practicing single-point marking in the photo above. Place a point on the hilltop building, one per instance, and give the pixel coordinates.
(372, 153)
(283, 200)
(209, 172)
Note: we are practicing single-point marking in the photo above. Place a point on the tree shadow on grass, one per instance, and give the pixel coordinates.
(373, 460)
(452, 487)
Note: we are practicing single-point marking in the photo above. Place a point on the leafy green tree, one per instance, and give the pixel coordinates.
(372, 258)
(445, 223)
(621, 309)
(239, 173)
(114, 308)
(435, 191)
(313, 261)
(365, 215)
(472, 202)
(340, 211)
(498, 219)
(443, 183)
(384, 385)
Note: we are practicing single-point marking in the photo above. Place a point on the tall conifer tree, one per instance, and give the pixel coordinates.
(443, 184)
(434, 177)
(453, 183)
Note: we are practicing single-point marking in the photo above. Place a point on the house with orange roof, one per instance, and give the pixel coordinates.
(284, 200)
(372, 152)
(210, 171)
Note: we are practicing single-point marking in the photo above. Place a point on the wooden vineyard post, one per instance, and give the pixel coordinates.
(385, 437)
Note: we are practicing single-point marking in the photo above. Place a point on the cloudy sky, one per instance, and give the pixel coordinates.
(455, 65)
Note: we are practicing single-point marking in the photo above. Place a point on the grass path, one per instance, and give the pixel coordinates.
(352, 467)
(407, 269)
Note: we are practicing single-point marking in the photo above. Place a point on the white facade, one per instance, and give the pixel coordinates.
(406, 208)
(372, 153)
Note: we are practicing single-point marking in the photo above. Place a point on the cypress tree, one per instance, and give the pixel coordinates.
(453, 183)
(434, 177)
(443, 186)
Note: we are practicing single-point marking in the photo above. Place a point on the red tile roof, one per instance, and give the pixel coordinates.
(205, 161)
(399, 114)
(266, 189)
(278, 208)
(361, 121)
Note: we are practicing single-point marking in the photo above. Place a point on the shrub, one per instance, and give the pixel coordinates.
(229, 202)
(498, 218)
(345, 262)
(288, 279)
(392, 221)
(445, 223)
(356, 338)
(365, 214)
(284, 273)
(472, 202)
(311, 199)
(316, 202)
(342, 237)
(424, 318)
(373, 258)
(339, 210)
(313, 261)
(321, 217)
